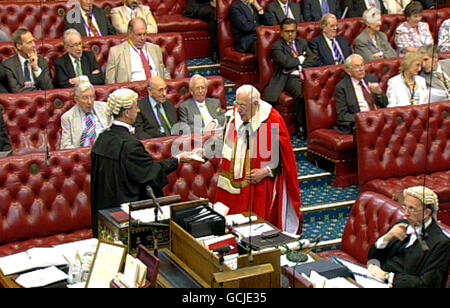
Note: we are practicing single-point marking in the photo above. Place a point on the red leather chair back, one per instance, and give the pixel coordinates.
(31, 117)
(396, 142)
(371, 217)
(37, 201)
(320, 84)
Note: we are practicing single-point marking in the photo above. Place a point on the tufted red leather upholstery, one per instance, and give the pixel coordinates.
(29, 116)
(171, 44)
(371, 217)
(396, 150)
(48, 23)
(41, 206)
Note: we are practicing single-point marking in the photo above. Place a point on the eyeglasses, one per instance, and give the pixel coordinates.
(86, 98)
(411, 210)
(358, 67)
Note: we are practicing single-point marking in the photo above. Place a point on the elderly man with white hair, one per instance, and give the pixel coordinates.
(356, 92)
(77, 64)
(82, 123)
(415, 253)
(259, 171)
(372, 44)
(122, 169)
(200, 112)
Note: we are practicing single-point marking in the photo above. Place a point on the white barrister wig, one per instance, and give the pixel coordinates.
(121, 99)
(426, 196)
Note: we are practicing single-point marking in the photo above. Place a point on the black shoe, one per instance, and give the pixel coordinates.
(215, 56)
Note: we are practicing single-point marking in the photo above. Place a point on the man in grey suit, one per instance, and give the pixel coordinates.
(26, 71)
(201, 113)
(86, 120)
(157, 115)
(436, 73)
(372, 44)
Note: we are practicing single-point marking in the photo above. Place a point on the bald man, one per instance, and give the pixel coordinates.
(121, 166)
(158, 115)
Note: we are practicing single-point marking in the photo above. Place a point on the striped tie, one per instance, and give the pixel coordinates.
(337, 53)
(89, 134)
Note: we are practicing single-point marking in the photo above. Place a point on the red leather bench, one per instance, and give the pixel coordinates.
(50, 25)
(171, 44)
(30, 117)
(323, 140)
(394, 151)
(42, 206)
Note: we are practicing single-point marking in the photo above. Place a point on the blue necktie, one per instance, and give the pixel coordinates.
(26, 71)
(325, 7)
(338, 57)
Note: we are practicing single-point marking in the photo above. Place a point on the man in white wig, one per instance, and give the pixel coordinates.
(414, 253)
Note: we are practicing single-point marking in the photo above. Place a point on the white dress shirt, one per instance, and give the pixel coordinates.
(283, 8)
(137, 68)
(204, 112)
(363, 105)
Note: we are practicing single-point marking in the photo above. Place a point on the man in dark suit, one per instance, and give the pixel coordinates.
(201, 113)
(246, 16)
(121, 166)
(415, 253)
(313, 10)
(76, 64)
(205, 10)
(3, 80)
(158, 115)
(330, 48)
(5, 143)
(356, 8)
(290, 55)
(26, 71)
(356, 92)
(89, 20)
(279, 10)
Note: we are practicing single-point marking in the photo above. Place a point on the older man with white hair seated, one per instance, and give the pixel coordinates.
(259, 170)
(86, 120)
(415, 253)
(122, 169)
(200, 112)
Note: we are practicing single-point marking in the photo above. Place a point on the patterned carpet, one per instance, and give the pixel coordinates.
(329, 224)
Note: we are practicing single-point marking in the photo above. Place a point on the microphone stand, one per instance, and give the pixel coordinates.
(149, 191)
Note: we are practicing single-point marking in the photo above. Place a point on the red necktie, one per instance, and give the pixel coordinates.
(92, 28)
(368, 97)
(146, 64)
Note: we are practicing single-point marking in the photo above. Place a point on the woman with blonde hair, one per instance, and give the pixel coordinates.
(408, 88)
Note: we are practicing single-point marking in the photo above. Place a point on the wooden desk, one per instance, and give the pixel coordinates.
(9, 281)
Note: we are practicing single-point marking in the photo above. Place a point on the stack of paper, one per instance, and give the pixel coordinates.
(148, 215)
(30, 259)
(41, 278)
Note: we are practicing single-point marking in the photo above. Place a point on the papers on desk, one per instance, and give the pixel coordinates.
(362, 275)
(30, 259)
(41, 278)
(80, 248)
(253, 230)
(238, 219)
(321, 282)
(148, 215)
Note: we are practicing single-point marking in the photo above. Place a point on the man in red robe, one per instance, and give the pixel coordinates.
(259, 170)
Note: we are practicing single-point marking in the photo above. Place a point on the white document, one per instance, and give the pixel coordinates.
(148, 215)
(220, 208)
(238, 219)
(339, 283)
(70, 250)
(41, 278)
(318, 280)
(135, 272)
(362, 275)
(32, 258)
(253, 230)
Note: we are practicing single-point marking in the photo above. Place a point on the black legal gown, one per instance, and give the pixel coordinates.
(121, 169)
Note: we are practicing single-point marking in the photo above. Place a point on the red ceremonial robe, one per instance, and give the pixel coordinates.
(275, 199)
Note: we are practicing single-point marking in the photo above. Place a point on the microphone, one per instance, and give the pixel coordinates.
(150, 193)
